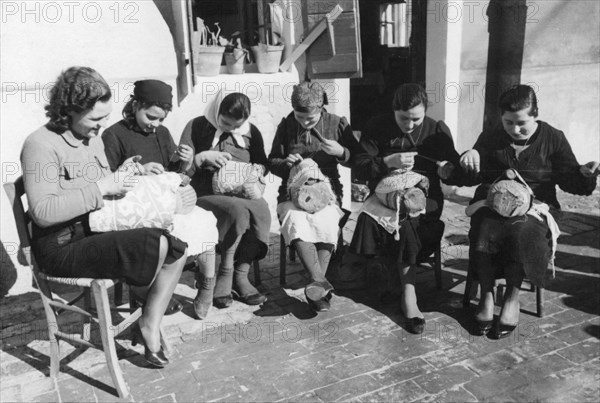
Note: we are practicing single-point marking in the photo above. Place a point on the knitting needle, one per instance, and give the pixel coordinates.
(436, 162)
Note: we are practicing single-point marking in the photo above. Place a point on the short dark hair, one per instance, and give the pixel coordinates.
(518, 98)
(236, 106)
(129, 113)
(76, 89)
(407, 96)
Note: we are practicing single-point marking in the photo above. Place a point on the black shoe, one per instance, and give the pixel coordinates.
(501, 331)
(482, 327)
(318, 294)
(223, 302)
(415, 325)
(252, 299)
(173, 307)
(157, 359)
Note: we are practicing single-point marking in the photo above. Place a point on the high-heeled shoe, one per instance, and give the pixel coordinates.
(158, 359)
(252, 299)
(223, 302)
(482, 327)
(415, 325)
(201, 308)
(318, 294)
(501, 331)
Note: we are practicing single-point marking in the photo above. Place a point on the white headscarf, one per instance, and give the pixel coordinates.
(212, 115)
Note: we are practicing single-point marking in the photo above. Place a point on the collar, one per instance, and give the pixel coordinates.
(72, 140)
(238, 138)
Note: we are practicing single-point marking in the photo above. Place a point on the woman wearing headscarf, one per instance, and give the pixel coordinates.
(223, 134)
(310, 132)
(141, 132)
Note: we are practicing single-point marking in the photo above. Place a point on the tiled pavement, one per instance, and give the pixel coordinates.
(359, 351)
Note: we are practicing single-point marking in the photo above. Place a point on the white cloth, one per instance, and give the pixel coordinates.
(322, 226)
(212, 115)
(198, 228)
(384, 216)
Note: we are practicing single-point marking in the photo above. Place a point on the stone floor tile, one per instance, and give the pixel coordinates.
(399, 372)
(582, 352)
(537, 347)
(401, 392)
(572, 334)
(347, 389)
(436, 381)
(453, 394)
(291, 382)
(11, 393)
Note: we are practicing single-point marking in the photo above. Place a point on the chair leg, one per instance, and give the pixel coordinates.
(539, 300)
(437, 266)
(282, 260)
(119, 293)
(86, 331)
(46, 296)
(257, 280)
(468, 286)
(108, 342)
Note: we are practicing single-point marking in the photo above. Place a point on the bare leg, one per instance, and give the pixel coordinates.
(510, 308)
(408, 274)
(160, 291)
(485, 309)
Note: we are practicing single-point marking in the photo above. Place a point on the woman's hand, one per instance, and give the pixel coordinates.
(117, 183)
(470, 161)
(590, 169)
(445, 169)
(215, 159)
(185, 154)
(153, 168)
(132, 165)
(401, 160)
(291, 159)
(332, 147)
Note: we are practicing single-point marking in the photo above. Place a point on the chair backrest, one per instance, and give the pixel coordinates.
(15, 192)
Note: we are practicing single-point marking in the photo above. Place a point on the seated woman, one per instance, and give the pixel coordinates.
(407, 140)
(142, 133)
(515, 247)
(311, 132)
(150, 260)
(221, 135)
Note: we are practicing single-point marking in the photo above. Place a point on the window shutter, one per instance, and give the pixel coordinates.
(337, 55)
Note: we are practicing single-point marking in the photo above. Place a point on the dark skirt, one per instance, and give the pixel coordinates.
(419, 237)
(131, 255)
(240, 217)
(514, 246)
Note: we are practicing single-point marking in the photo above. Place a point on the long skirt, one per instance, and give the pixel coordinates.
(418, 237)
(237, 217)
(510, 247)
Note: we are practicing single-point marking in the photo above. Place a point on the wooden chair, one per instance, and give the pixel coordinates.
(54, 305)
(471, 278)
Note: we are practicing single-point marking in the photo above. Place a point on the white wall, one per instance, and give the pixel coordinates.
(125, 42)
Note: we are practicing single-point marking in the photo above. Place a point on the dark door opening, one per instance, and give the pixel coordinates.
(385, 67)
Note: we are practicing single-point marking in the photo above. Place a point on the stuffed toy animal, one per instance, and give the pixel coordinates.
(308, 188)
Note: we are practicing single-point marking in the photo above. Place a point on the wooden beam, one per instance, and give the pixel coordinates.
(312, 36)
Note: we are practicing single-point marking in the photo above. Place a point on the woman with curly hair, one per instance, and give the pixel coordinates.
(149, 259)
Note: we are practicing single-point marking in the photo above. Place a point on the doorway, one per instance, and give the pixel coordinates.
(393, 39)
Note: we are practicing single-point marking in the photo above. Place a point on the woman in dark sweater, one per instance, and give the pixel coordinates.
(221, 135)
(311, 132)
(518, 246)
(141, 132)
(405, 139)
